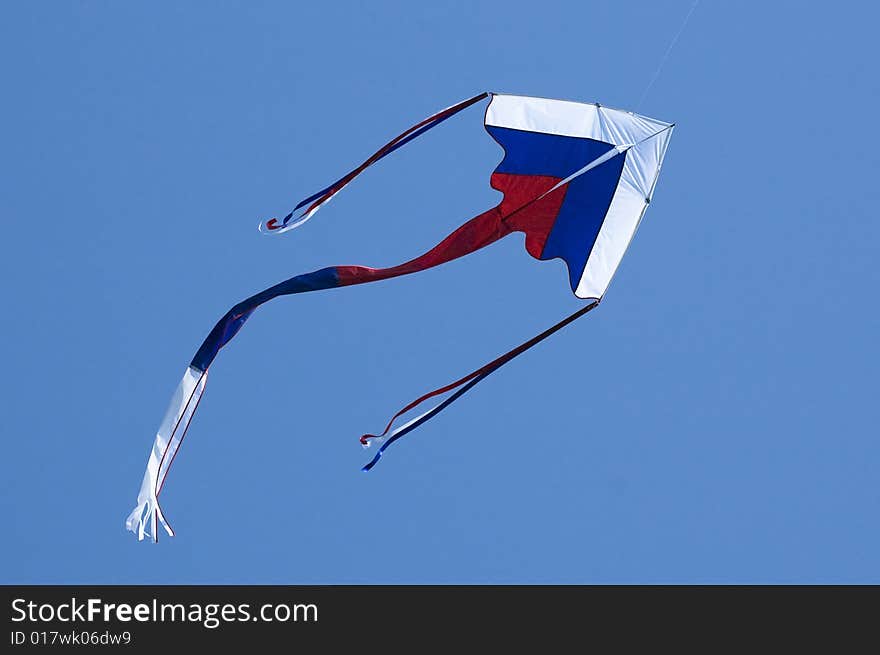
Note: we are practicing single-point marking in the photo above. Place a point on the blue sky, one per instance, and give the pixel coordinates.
(714, 421)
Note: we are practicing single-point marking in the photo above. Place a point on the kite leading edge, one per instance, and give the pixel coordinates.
(576, 178)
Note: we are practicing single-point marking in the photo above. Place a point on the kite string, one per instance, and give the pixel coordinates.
(666, 55)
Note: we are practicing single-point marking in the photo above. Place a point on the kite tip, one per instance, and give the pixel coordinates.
(268, 226)
(146, 519)
(281, 225)
(368, 439)
(369, 465)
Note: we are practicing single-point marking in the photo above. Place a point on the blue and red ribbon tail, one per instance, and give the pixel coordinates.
(314, 202)
(424, 418)
(147, 516)
(462, 386)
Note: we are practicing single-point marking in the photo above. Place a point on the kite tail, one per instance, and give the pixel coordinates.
(170, 435)
(469, 381)
(315, 201)
(480, 231)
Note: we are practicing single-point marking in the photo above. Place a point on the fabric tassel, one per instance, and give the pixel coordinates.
(168, 439)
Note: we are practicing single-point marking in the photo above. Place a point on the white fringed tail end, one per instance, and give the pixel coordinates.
(147, 511)
(144, 520)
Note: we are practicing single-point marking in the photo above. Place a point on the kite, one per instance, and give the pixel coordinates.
(576, 179)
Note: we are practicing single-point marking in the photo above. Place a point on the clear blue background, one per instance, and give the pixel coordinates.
(713, 421)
